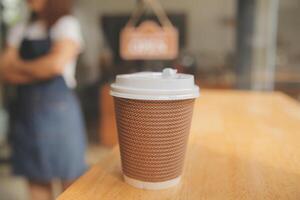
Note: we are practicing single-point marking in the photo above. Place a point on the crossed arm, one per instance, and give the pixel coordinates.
(14, 70)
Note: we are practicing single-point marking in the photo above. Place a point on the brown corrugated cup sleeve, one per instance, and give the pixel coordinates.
(153, 137)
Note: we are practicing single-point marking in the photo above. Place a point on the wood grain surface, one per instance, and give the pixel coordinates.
(243, 145)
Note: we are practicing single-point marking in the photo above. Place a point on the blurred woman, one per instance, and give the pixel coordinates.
(48, 136)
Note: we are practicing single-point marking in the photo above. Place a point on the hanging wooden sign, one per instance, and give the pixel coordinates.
(149, 41)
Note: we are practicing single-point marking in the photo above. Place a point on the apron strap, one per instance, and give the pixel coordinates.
(47, 31)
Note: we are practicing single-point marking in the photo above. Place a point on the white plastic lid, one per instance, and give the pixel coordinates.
(166, 85)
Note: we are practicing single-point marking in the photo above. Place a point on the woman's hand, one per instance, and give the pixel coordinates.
(9, 64)
(14, 70)
(16, 63)
(52, 64)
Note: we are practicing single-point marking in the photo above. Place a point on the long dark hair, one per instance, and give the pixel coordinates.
(54, 9)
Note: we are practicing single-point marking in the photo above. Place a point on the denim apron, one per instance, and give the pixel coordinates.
(47, 132)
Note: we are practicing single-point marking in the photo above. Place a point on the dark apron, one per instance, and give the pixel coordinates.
(48, 135)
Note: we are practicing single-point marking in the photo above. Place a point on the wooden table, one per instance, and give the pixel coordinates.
(243, 145)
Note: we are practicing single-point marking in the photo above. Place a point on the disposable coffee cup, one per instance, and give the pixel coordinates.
(153, 115)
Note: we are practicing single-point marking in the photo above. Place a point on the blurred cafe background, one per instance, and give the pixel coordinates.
(232, 44)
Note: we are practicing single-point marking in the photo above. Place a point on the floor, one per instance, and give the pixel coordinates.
(14, 188)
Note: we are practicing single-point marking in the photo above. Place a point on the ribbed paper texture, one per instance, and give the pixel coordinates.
(153, 137)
